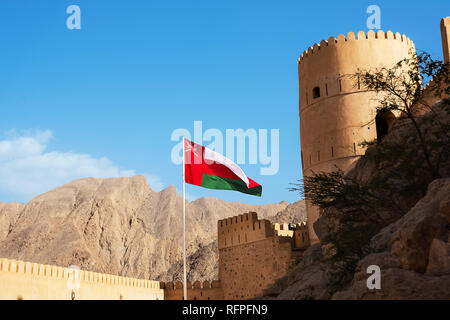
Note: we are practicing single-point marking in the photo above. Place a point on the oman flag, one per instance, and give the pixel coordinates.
(209, 169)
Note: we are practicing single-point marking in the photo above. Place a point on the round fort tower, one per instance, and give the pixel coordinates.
(336, 115)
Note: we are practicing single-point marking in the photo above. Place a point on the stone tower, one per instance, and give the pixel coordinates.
(336, 115)
(445, 36)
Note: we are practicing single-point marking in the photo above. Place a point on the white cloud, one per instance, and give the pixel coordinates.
(27, 170)
(23, 146)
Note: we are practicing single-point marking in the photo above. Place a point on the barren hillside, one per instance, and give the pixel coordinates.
(120, 226)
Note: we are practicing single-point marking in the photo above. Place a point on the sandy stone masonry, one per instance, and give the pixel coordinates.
(197, 291)
(445, 36)
(253, 254)
(31, 281)
(246, 228)
(335, 117)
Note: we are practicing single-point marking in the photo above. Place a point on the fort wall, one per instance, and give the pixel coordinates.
(254, 253)
(195, 291)
(445, 36)
(244, 228)
(31, 281)
(246, 270)
(301, 237)
(431, 96)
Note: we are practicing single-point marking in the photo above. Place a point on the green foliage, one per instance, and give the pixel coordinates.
(401, 92)
(353, 206)
(351, 242)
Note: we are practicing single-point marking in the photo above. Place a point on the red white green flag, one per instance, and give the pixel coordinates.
(209, 169)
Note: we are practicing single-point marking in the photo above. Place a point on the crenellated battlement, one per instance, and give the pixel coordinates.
(261, 254)
(232, 222)
(50, 271)
(254, 253)
(241, 229)
(170, 285)
(351, 37)
(195, 291)
(301, 236)
(27, 280)
(282, 229)
(247, 228)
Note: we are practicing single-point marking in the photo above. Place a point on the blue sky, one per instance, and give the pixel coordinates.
(104, 100)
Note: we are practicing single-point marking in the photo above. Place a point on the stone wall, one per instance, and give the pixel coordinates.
(254, 253)
(246, 270)
(31, 281)
(298, 232)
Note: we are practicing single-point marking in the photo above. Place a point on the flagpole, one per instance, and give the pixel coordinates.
(184, 231)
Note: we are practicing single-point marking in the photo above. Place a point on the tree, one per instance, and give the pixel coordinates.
(402, 91)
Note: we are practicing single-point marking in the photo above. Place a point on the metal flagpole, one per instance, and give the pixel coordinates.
(184, 233)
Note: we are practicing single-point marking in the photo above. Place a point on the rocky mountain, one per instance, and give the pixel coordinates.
(413, 254)
(9, 212)
(294, 212)
(120, 226)
(411, 248)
